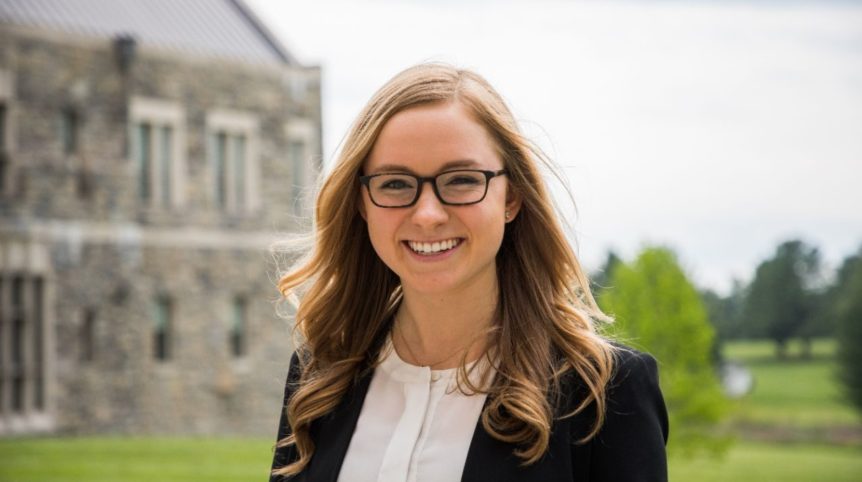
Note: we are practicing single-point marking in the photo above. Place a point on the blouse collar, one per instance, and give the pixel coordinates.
(404, 372)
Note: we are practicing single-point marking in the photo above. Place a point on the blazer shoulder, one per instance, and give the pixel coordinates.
(633, 368)
(631, 443)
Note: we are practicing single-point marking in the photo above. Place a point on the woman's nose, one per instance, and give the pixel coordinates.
(428, 210)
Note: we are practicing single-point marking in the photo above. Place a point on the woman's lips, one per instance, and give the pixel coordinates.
(430, 248)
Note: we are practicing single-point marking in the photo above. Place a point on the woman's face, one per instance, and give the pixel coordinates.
(425, 141)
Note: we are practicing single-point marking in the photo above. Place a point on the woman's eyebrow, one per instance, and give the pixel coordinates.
(459, 164)
(390, 168)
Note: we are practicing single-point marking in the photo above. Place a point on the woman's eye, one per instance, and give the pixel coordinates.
(394, 184)
(463, 180)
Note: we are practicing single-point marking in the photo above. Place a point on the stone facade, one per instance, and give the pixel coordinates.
(138, 200)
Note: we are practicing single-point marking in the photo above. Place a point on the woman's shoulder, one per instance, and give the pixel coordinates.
(636, 422)
(633, 386)
(633, 367)
(630, 366)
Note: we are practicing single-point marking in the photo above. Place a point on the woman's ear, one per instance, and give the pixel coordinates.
(360, 206)
(513, 204)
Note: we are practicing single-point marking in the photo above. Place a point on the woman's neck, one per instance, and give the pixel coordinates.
(437, 330)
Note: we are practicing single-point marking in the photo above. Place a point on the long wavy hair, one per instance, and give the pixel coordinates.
(546, 313)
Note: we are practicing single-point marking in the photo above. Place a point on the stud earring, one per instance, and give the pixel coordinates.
(508, 215)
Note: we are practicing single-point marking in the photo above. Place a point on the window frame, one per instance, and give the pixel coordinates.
(238, 329)
(163, 329)
(229, 133)
(8, 170)
(25, 268)
(301, 132)
(161, 182)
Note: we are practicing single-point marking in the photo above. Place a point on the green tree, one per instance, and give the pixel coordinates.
(780, 299)
(725, 315)
(658, 310)
(848, 317)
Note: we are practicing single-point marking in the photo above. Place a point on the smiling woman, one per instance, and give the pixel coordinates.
(462, 208)
(448, 330)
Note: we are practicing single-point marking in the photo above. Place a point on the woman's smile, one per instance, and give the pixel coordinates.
(429, 248)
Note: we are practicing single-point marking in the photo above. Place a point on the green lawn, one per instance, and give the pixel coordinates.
(240, 460)
(793, 392)
(760, 462)
(134, 459)
(763, 350)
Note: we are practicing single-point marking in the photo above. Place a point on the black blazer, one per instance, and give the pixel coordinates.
(630, 446)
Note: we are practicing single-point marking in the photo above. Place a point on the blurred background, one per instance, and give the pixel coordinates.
(152, 151)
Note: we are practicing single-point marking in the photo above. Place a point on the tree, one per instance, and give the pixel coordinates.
(658, 310)
(725, 315)
(780, 301)
(848, 315)
(602, 278)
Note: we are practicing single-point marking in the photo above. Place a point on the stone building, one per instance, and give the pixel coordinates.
(150, 152)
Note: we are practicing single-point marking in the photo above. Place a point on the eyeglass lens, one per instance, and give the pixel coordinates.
(453, 187)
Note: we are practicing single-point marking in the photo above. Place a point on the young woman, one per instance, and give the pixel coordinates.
(447, 327)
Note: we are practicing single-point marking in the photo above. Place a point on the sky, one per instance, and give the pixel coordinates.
(718, 129)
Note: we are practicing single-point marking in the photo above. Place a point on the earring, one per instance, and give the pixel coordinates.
(508, 215)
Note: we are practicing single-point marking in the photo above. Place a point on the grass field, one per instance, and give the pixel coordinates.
(240, 460)
(134, 460)
(794, 393)
(761, 462)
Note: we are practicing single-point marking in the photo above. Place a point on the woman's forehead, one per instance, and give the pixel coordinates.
(433, 137)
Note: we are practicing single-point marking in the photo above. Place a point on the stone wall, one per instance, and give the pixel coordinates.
(112, 255)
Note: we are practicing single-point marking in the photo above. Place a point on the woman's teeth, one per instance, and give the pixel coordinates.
(435, 247)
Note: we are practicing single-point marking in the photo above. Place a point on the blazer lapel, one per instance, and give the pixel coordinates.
(487, 457)
(334, 432)
(481, 448)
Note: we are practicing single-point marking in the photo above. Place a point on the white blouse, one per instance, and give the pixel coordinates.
(415, 425)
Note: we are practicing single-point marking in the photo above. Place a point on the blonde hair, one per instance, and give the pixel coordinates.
(546, 312)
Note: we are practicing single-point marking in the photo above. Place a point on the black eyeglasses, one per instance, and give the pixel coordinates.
(453, 188)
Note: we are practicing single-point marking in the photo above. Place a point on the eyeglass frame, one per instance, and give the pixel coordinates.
(366, 180)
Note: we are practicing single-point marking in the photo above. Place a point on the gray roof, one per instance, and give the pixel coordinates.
(221, 28)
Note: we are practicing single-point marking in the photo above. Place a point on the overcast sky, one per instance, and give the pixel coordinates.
(716, 128)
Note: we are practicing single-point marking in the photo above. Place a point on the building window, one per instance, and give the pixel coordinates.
(143, 156)
(7, 137)
(220, 167)
(3, 110)
(302, 134)
(165, 162)
(237, 337)
(229, 163)
(155, 163)
(88, 335)
(3, 123)
(4, 154)
(38, 343)
(296, 151)
(163, 329)
(239, 171)
(69, 130)
(157, 148)
(232, 157)
(22, 330)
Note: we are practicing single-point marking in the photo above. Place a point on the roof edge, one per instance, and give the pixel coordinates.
(267, 34)
(90, 41)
